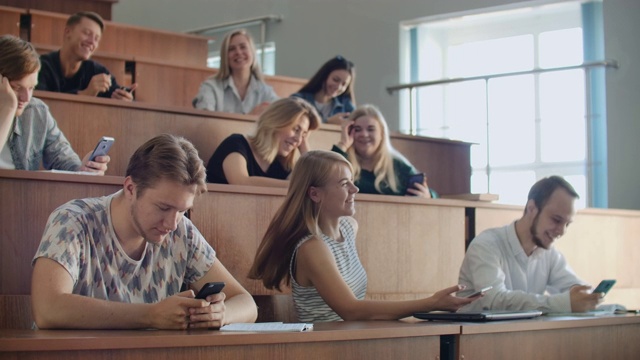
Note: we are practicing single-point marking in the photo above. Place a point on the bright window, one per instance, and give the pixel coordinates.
(526, 125)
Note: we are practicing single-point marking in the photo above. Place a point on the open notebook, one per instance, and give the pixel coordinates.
(486, 315)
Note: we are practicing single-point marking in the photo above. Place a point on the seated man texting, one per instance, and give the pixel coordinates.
(29, 135)
(71, 70)
(519, 262)
(119, 261)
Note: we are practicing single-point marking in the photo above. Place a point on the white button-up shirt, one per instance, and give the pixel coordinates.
(520, 282)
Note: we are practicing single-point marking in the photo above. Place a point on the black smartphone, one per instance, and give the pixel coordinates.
(102, 148)
(210, 289)
(127, 89)
(415, 178)
(481, 291)
(604, 286)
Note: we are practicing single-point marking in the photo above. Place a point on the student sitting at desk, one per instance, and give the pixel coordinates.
(520, 263)
(29, 134)
(378, 167)
(119, 261)
(310, 244)
(239, 86)
(331, 90)
(266, 157)
(70, 70)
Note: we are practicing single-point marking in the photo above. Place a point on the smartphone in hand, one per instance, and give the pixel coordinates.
(210, 289)
(102, 148)
(481, 291)
(415, 178)
(604, 286)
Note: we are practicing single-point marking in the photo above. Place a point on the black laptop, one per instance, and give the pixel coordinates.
(485, 315)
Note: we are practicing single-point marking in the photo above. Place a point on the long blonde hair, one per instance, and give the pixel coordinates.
(296, 218)
(224, 71)
(383, 156)
(280, 114)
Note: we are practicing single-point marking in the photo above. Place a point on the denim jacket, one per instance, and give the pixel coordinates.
(339, 104)
(36, 138)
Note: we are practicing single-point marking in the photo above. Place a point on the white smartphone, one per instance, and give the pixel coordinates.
(102, 148)
(481, 291)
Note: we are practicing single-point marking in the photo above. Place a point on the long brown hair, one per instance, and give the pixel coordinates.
(296, 218)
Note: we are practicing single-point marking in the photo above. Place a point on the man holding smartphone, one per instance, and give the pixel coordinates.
(71, 70)
(518, 260)
(29, 135)
(119, 261)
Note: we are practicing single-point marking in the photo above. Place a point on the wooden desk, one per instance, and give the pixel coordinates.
(85, 119)
(10, 20)
(102, 7)
(615, 337)
(28, 198)
(338, 340)
(161, 82)
(410, 247)
(599, 244)
(47, 28)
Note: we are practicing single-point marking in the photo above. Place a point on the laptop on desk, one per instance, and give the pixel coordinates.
(485, 315)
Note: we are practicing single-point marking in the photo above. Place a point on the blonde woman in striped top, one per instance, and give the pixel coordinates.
(310, 245)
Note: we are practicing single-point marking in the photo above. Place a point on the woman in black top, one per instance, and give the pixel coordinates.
(266, 157)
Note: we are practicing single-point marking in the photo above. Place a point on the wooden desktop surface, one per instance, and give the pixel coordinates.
(609, 337)
(345, 340)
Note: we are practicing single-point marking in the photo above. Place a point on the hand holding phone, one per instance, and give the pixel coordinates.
(415, 178)
(209, 289)
(102, 148)
(480, 292)
(604, 286)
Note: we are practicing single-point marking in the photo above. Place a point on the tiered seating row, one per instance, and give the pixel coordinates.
(47, 28)
(85, 119)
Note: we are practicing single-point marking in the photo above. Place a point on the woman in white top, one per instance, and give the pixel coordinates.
(310, 244)
(239, 86)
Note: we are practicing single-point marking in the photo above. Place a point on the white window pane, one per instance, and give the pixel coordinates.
(511, 121)
(512, 187)
(430, 110)
(579, 183)
(560, 48)
(479, 182)
(562, 110)
(491, 56)
(466, 111)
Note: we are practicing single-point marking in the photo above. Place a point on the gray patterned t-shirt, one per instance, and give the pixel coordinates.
(80, 236)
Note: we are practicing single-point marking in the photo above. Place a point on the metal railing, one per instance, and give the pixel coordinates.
(411, 86)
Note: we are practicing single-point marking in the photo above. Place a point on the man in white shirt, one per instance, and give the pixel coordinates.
(518, 260)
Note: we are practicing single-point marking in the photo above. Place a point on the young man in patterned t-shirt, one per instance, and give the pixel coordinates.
(118, 262)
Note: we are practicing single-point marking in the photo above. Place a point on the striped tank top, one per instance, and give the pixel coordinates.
(308, 303)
